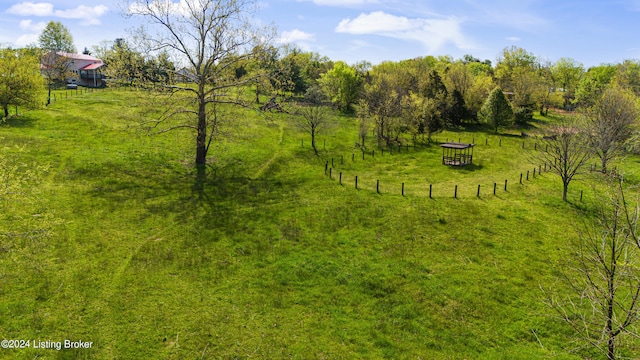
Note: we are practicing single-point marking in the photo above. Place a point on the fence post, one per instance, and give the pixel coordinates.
(478, 190)
(330, 170)
(402, 189)
(505, 184)
(534, 173)
(581, 195)
(373, 153)
(527, 175)
(430, 188)
(332, 165)
(340, 177)
(455, 192)
(495, 186)
(500, 141)
(353, 157)
(523, 144)
(378, 186)
(356, 182)
(520, 178)
(326, 167)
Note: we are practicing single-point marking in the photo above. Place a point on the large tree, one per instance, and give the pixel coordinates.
(56, 37)
(518, 72)
(312, 116)
(20, 80)
(566, 74)
(610, 123)
(382, 103)
(593, 83)
(211, 37)
(125, 65)
(565, 152)
(342, 84)
(496, 110)
(603, 279)
(56, 41)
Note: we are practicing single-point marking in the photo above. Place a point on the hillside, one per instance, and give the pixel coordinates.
(270, 258)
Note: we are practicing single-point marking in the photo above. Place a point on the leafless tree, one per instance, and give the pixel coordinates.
(603, 277)
(566, 152)
(56, 69)
(609, 123)
(312, 115)
(211, 38)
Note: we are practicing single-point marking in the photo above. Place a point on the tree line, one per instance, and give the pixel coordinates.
(392, 100)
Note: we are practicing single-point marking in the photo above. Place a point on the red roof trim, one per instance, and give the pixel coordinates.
(92, 66)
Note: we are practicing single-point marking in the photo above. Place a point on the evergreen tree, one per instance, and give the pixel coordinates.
(496, 110)
(457, 110)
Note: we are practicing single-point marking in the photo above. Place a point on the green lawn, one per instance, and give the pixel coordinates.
(271, 258)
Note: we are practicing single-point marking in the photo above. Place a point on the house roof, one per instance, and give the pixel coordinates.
(93, 66)
(456, 145)
(78, 56)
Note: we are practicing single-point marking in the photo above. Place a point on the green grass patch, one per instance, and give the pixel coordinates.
(271, 258)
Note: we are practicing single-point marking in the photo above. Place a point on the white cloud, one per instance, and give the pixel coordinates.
(432, 33)
(31, 9)
(159, 6)
(87, 14)
(30, 25)
(377, 22)
(27, 39)
(295, 36)
(513, 38)
(25, 24)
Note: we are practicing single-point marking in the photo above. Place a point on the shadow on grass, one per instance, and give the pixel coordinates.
(209, 200)
(467, 168)
(20, 121)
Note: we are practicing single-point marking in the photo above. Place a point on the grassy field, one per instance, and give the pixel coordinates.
(116, 245)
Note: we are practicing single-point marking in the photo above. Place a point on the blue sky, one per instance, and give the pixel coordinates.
(591, 32)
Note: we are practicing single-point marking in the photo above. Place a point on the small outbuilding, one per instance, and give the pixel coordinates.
(457, 154)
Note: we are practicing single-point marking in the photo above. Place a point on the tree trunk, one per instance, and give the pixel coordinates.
(257, 94)
(313, 141)
(611, 348)
(565, 189)
(611, 298)
(604, 162)
(201, 139)
(49, 95)
(6, 110)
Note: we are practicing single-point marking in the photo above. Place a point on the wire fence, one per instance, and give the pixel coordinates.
(334, 169)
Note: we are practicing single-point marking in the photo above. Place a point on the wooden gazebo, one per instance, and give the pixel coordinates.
(457, 154)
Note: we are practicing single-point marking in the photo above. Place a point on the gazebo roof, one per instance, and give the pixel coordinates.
(457, 145)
